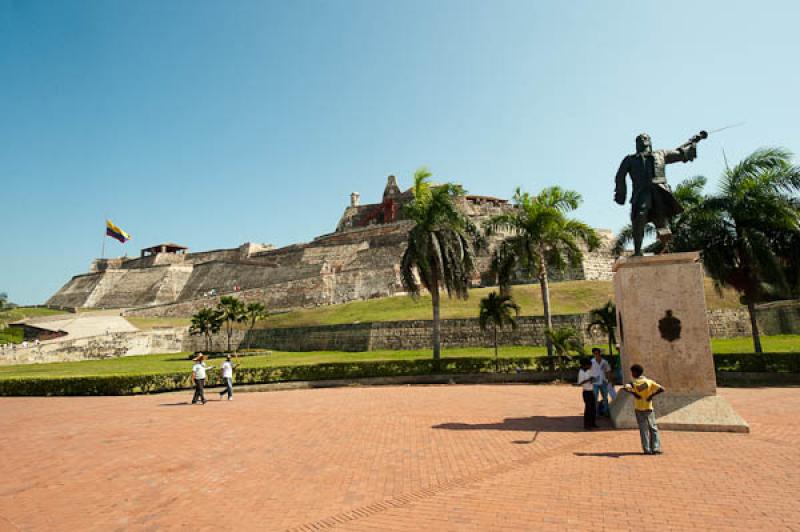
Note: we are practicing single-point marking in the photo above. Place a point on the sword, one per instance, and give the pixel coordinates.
(704, 135)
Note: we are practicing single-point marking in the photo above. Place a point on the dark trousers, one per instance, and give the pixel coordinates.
(589, 409)
(228, 387)
(199, 395)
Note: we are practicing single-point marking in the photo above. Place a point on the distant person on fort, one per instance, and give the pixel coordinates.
(227, 378)
(199, 378)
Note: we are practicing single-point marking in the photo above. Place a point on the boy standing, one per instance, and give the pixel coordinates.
(199, 378)
(585, 380)
(644, 389)
(227, 378)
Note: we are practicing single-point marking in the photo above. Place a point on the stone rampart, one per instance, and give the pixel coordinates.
(416, 334)
(112, 345)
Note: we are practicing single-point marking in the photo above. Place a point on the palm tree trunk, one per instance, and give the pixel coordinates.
(496, 360)
(751, 309)
(435, 298)
(545, 300)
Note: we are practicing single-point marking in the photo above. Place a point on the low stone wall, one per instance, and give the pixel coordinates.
(416, 334)
(780, 317)
(98, 347)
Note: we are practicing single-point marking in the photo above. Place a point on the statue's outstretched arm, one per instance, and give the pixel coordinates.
(683, 154)
(621, 190)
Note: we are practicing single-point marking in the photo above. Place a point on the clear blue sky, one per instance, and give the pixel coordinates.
(215, 123)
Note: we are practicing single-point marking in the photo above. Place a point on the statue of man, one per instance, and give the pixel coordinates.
(652, 199)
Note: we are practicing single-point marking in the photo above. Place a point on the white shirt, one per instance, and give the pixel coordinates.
(227, 370)
(582, 376)
(599, 370)
(199, 370)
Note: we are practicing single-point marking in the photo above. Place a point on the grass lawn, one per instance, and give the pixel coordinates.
(178, 362)
(18, 313)
(569, 297)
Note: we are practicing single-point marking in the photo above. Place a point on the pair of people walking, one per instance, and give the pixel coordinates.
(199, 374)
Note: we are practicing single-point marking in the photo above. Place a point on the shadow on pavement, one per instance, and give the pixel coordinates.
(182, 403)
(527, 424)
(609, 455)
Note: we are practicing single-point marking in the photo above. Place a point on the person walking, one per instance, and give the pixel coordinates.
(199, 378)
(601, 371)
(227, 378)
(644, 390)
(585, 380)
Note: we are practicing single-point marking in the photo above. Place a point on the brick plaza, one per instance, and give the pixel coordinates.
(394, 458)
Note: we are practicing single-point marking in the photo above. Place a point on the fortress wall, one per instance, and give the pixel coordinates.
(416, 334)
(76, 291)
(214, 255)
(99, 347)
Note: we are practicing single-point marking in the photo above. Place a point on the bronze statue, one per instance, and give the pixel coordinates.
(652, 199)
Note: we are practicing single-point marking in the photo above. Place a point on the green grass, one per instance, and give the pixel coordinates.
(20, 313)
(570, 297)
(178, 362)
(785, 343)
(13, 336)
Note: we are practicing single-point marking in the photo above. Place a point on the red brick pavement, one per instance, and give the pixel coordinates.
(399, 458)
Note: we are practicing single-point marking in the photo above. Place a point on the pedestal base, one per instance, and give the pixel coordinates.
(709, 413)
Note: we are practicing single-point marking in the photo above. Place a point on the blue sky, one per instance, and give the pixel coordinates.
(215, 123)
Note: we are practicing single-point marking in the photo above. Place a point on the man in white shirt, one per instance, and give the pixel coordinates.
(227, 378)
(585, 380)
(600, 371)
(199, 378)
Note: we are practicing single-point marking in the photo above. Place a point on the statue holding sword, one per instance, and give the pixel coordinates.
(652, 200)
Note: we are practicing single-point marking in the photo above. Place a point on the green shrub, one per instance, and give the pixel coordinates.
(13, 335)
(135, 384)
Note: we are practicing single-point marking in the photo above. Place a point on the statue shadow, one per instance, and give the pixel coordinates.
(534, 424)
(610, 454)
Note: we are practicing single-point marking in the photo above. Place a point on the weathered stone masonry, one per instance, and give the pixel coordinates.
(361, 260)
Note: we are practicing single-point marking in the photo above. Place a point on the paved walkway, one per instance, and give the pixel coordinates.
(396, 458)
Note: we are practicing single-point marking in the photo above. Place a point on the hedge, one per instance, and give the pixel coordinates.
(136, 384)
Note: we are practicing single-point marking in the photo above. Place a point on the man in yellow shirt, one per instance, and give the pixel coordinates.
(644, 390)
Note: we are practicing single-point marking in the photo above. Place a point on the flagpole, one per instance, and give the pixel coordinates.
(103, 249)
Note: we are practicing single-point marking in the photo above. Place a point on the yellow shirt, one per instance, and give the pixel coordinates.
(645, 388)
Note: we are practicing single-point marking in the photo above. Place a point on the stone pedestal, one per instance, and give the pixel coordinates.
(661, 318)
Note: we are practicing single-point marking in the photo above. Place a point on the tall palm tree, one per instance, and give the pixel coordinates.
(542, 236)
(440, 251)
(689, 194)
(605, 319)
(206, 322)
(741, 229)
(497, 310)
(253, 313)
(231, 311)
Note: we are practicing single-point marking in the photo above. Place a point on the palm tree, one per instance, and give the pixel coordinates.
(742, 230)
(496, 309)
(564, 340)
(541, 236)
(231, 311)
(253, 313)
(689, 194)
(605, 319)
(440, 251)
(206, 322)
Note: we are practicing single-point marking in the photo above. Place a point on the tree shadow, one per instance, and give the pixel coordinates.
(610, 454)
(526, 424)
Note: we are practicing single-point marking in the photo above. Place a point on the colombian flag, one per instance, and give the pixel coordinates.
(115, 232)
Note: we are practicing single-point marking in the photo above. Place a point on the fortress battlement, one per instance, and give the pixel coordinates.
(359, 260)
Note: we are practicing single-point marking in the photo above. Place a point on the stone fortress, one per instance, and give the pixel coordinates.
(360, 260)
